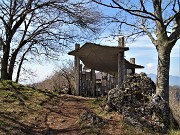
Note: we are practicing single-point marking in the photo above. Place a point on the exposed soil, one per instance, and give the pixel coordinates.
(62, 117)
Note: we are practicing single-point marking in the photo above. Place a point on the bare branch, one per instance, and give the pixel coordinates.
(175, 35)
(138, 13)
(149, 35)
(142, 4)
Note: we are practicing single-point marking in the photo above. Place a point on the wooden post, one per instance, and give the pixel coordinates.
(132, 60)
(77, 72)
(0, 66)
(121, 63)
(93, 79)
(120, 69)
(80, 80)
(125, 72)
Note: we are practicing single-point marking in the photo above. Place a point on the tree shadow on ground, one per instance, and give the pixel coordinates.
(12, 126)
(59, 107)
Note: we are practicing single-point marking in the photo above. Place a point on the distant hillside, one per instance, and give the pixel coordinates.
(173, 80)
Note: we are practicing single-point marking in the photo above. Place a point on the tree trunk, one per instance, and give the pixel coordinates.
(4, 62)
(162, 84)
(11, 66)
(19, 69)
(12, 63)
(162, 88)
(21, 62)
(5, 58)
(4, 66)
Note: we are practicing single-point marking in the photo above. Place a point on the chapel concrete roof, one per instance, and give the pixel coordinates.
(102, 58)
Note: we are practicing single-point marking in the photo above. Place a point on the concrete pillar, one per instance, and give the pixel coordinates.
(121, 63)
(132, 60)
(77, 72)
(121, 41)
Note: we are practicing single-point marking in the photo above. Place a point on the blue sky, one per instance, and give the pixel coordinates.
(142, 49)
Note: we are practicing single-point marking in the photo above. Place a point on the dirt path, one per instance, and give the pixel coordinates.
(61, 117)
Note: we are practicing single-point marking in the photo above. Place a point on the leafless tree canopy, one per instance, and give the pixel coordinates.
(42, 27)
(143, 16)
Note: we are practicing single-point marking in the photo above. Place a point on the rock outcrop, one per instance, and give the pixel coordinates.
(90, 120)
(136, 100)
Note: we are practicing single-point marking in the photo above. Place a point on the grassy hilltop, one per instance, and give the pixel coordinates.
(29, 111)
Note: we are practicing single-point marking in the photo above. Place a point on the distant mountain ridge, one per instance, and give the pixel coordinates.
(173, 80)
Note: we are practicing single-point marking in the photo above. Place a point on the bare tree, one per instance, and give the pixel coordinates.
(158, 19)
(62, 79)
(47, 24)
(66, 72)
